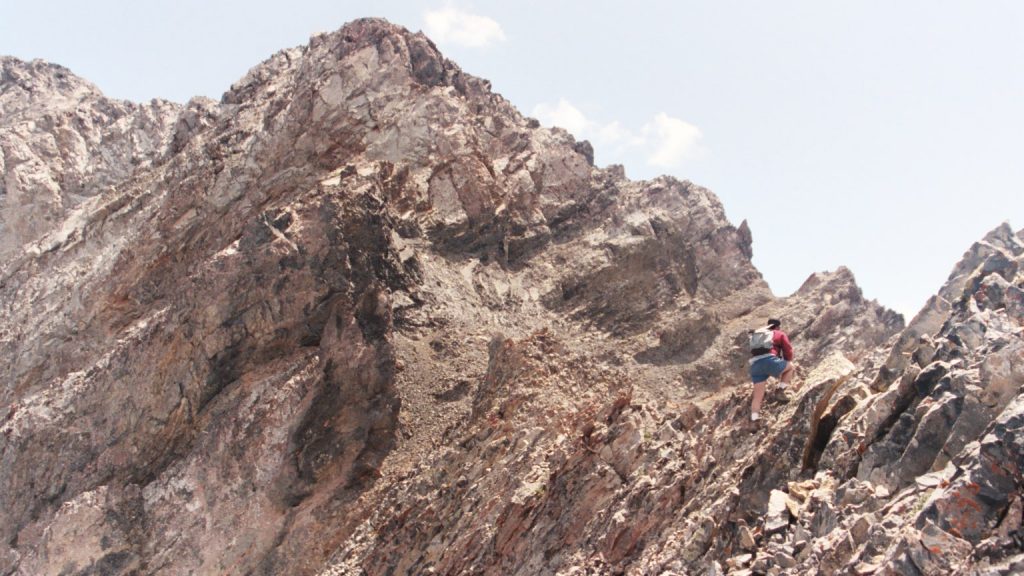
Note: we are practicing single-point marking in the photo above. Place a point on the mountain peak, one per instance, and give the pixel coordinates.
(363, 297)
(39, 83)
(370, 43)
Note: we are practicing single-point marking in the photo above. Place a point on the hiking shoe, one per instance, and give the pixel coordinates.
(755, 416)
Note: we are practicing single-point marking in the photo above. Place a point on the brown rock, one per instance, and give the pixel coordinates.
(747, 541)
(860, 527)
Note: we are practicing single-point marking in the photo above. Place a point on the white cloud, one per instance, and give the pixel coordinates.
(615, 134)
(673, 140)
(665, 142)
(563, 115)
(566, 115)
(449, 25)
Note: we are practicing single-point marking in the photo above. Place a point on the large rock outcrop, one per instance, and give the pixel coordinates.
(361, 316)
(63, 143)
(922, 477)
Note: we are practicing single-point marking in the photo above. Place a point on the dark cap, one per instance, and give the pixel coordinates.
(774, 323)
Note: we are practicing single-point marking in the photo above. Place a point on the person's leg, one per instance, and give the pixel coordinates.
(760, 371)
(787, 375)
(755, 402)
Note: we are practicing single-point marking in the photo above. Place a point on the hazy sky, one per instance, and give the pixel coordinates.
(884, 136)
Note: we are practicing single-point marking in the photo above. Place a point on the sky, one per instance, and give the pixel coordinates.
(882, 136)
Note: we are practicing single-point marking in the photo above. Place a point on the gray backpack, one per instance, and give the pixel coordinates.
(761, 341)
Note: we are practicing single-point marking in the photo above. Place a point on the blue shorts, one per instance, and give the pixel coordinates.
(761, 369)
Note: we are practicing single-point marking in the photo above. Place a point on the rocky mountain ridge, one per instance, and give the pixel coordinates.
(361, 316)
(64, 143)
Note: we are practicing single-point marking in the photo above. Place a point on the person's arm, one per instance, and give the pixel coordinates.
(781, 341)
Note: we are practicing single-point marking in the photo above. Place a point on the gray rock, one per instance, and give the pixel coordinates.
(982, 490)
(936, 551)
(824, 520)
(777, 516)
(784, 560)
(739, 561)
(854, 492)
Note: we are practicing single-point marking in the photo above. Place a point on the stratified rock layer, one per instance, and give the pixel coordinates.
(361, 316)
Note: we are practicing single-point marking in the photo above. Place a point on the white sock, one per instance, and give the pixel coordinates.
(755, 416)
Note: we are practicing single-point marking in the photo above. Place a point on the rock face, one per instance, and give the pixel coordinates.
(62, 144)
(362, 317)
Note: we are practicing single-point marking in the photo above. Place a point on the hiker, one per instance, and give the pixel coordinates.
(772, 356)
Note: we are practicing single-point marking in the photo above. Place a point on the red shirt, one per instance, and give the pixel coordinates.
(781, 345)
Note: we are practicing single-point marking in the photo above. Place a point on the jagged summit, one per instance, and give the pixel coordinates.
(412, 51)
(38, 83)
(61, 143)
(361, 315)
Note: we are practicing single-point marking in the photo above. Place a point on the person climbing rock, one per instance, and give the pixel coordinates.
(772, 356)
